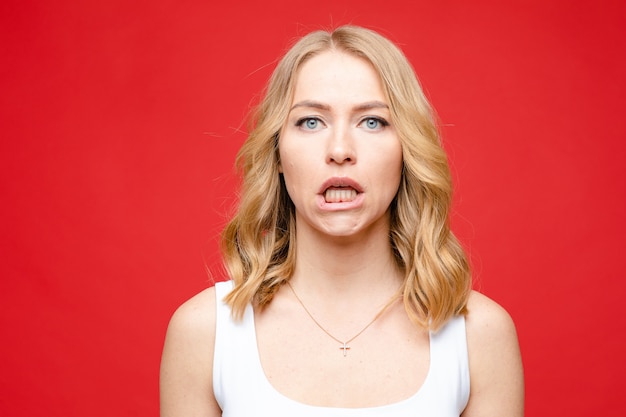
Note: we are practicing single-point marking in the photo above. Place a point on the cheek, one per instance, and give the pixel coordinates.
(394, 165)
(296, 160)
(294, 178)
(289, 170)
(285, 152)
(393, 160)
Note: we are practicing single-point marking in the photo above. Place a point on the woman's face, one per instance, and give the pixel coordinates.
(340, 156)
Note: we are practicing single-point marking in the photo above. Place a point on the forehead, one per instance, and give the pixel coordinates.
(337, 76)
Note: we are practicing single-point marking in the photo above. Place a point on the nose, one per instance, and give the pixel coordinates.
(341, 146)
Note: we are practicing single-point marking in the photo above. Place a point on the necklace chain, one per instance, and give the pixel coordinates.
(344, 345)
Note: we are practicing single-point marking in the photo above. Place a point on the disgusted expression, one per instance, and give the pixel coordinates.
(340, 155)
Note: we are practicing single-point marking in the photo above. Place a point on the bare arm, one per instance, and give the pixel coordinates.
(496, 372)
(186, 381)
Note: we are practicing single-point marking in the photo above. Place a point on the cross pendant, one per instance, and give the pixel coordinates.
(345, 348)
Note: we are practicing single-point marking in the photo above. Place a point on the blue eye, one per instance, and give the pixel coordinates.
(374, 123)
(309, 123)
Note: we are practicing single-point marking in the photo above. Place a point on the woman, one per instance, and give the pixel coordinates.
(349, 295)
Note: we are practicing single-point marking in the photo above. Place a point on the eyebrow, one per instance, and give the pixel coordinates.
(360, 107)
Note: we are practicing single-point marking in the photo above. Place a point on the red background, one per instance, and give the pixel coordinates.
(120, 122)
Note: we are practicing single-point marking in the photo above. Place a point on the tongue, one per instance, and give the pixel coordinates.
(339, 195)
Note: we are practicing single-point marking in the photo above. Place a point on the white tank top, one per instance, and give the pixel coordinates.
(242, 389)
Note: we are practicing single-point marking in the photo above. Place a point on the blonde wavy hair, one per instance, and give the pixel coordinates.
(258, 244)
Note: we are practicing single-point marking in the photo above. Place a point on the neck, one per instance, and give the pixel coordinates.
(360, 266)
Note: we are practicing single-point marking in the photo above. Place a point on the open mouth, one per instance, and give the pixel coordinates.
(339, 194)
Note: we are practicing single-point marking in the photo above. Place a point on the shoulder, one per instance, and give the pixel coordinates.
(486, 318)
(496, 373)
(187, 360)
(192, 329)
(195, 313)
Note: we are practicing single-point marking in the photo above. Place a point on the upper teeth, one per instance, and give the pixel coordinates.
(335, 195)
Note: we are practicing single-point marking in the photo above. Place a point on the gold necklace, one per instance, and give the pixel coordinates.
(344, 345)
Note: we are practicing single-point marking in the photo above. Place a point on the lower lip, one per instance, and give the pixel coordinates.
(344, 205)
